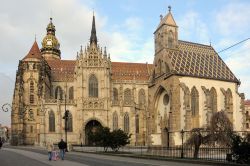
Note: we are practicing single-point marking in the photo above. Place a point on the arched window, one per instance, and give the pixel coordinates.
(71, 93)
(115, 96)
(34, 66)
(141, 97)
(229, 104)
(70, 123)
(58, 93)
(127, 96)
(194, 102)
(126, 123)
(93, 86)
(51, 121)
(115, 121)
(137, 124)
(213, 103)
(170, 39)
(159, 67)
(31, 92)
(195, 108)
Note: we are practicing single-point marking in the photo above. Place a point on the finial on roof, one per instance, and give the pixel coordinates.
(161, 16)
(35, 37)
(169, 8)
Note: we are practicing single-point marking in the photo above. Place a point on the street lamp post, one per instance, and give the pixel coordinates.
(65, 117)
(182, 134)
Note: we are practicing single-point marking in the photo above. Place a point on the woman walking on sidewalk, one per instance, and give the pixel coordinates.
(50, 148)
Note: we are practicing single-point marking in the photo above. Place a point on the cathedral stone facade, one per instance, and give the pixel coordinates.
(184, 86)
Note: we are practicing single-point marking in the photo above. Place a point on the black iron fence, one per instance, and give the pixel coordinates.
(205, 153)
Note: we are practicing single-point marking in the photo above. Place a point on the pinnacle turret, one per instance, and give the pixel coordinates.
(93, 38)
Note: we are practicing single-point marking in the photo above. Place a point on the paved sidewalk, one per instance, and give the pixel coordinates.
(44, 158)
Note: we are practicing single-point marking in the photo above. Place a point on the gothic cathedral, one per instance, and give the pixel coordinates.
(184, 86)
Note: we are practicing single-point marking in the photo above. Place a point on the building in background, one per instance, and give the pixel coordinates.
(247, 109)
(181, 89)
(4, 133)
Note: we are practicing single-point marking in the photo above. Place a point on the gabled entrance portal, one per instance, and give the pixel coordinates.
(91, 127)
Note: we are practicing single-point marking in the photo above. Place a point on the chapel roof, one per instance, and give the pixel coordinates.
(198, 60)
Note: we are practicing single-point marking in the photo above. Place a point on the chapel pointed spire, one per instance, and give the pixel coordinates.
(93, 38)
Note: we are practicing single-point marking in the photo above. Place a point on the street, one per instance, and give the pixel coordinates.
(27, 156)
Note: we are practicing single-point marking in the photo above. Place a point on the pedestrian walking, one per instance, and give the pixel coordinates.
(1, 143)
(50, 148)
(62, 146)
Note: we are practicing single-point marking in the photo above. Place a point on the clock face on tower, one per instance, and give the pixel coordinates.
(49, 42)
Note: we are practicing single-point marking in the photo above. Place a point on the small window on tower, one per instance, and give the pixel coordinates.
(170, 39)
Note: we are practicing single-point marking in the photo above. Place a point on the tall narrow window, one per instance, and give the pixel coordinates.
(213, 100)
(195, 107)
(141, 98)
(194, 102)
(93, 86)
(51, 121)
(159, 67)
(115, 96)
(137, 124)
(229, 104)
(115, 121)
(126, 123)
(31, 92)
(70, 123)
(71, 93)
(58, 93)
(127, 96)
(170, 39)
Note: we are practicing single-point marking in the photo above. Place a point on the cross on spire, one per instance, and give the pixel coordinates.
(169, 8)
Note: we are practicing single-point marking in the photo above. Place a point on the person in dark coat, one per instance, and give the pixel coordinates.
(62, 146)
(1, 143)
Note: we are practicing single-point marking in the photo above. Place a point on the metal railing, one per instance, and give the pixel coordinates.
(205, 153)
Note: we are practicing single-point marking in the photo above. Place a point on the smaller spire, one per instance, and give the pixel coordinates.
(93, 38)
(161, 17)
(105, 51)
(81, 52)
(34, 52)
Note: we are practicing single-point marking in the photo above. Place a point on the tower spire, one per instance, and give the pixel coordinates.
(93, 38)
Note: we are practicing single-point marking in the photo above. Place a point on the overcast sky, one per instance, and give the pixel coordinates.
(125, 27)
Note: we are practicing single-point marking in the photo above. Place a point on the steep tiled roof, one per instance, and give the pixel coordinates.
(247, 102)
(34, 52)
(131, 71)
(62, 70)
(192, 59)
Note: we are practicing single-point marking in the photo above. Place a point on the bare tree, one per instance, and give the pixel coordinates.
(219, 132)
